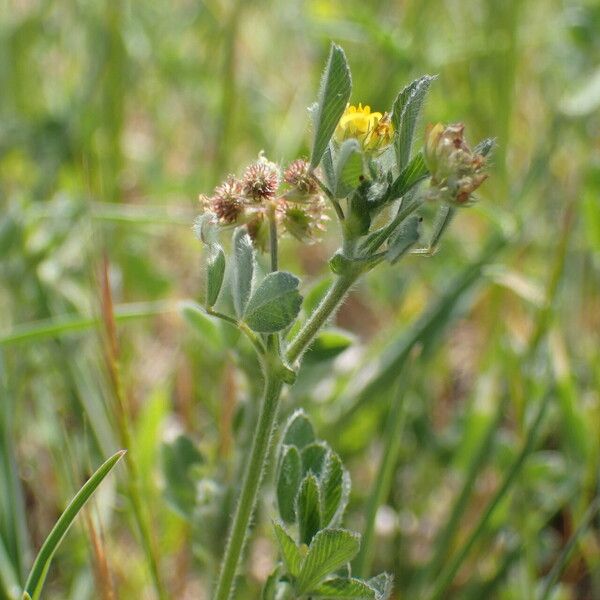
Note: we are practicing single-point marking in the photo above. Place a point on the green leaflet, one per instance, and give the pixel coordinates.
(329, 550)
(178, 459)
(242, 269)
(289, 551)
(334, 93)
(406, 111)
(313, 458)
(333, 482)
(274, 304)
(348, 169)
(298, 431)
(344, 588)
(215, 271)
(288, 482)
(406, 236)
(208, 329)
(308, 508)
(327, 345)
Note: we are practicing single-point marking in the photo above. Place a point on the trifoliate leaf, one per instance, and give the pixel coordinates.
(298, 431)
(334, 93)
(340, 587)
(289, 550)
(328, 551)
(242, 269)
(274, 304)
(406, 236)
(288, 482)
(405, 113)
(308, 508)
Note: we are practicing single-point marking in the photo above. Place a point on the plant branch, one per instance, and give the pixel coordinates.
(333, 298)
(251, 484)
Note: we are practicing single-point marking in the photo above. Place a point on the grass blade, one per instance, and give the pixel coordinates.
(40, 567)
(447, 576)
(72, 323)
(563, 559)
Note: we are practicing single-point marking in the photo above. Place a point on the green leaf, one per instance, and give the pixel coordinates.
(405, 113)
(242, 269)
(203, 324)
(327, 165)
(405, 237)
(329, 550)
(334, 93)
(308, 509)
(382, 584)
(340, 587)
(179, 457)
(348, 169)
(289, 551)
(485, 147)
(288, 482)
(313, 458)
(269, 591)
(328, 344)
(206, 228)
(443, 219)
(40, 567)
(335, 489)
(413, 173)
(215, 271)
(274, 304)
(298, 431)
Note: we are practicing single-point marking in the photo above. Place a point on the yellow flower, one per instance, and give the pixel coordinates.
(373, 130)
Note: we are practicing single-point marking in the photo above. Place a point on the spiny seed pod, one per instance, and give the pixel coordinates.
(261, 180)
(227, 201)
(303, 183)
(303, 221)
(456, 172)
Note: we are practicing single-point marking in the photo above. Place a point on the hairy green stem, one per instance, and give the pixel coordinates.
(251, 484)
(333, 298)
(274, 380)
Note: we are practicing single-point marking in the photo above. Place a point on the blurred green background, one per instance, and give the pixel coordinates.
(114, 116)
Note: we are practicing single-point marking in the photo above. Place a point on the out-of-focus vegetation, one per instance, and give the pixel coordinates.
(115, 115)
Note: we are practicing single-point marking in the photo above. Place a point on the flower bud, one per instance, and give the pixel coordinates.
(261, 180)
(456, 172)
